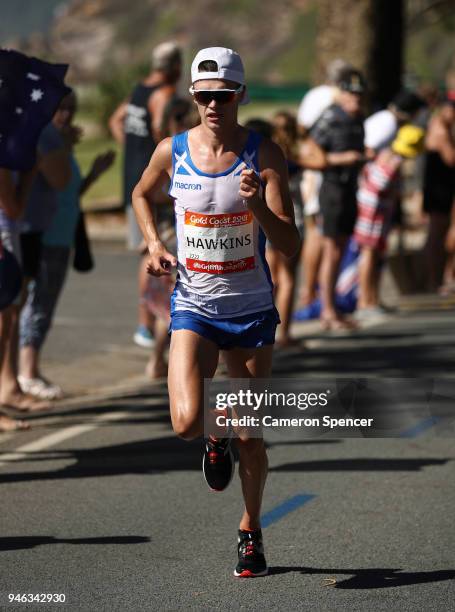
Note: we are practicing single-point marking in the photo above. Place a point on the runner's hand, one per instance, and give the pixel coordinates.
(249, 187)
(160, 261)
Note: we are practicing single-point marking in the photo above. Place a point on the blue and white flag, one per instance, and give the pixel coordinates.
(346, 289)
(30, 92)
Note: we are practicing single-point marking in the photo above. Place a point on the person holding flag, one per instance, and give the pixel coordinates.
(30, 92)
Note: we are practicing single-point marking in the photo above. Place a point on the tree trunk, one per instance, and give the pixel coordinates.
(368, 34)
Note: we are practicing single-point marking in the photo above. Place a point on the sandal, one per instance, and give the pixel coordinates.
(37, 387)
(338, 325)
(8, 424)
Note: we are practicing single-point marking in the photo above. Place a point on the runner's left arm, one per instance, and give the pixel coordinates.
(274, 211)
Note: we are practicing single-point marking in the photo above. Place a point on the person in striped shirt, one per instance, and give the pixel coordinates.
(378, 193)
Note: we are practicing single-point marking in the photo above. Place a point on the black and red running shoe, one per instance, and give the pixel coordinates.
(251, 555)
(218, 463)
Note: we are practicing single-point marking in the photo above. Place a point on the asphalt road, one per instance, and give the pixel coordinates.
(100, 502)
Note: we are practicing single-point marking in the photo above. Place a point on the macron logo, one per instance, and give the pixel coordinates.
(191, 186)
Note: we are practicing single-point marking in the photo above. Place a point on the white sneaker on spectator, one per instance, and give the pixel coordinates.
(143, 337)
(370, 314)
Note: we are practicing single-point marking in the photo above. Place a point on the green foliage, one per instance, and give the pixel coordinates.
(296, 62)
(167, 23)
(428, 54)
(111, 91)
(107, 191)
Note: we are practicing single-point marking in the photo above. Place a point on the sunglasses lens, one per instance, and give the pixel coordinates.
(221, 97)
(202, 97)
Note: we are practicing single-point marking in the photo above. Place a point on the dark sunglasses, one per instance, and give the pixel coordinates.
(221, 96)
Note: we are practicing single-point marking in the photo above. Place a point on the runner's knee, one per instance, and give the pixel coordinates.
(186, 427)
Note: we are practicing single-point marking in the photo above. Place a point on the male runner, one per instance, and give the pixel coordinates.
(222, 176)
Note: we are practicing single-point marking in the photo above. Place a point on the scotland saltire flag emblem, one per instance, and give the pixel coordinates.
(30, 92)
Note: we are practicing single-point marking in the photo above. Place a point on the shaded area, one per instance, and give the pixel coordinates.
(24, 542)
(401, 360)
(359, 465)
(170, 454)
(401, 353)
(375, 578)
(149, 406)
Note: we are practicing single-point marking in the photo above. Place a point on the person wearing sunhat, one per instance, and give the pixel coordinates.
(377, 197)
(230, 191)
(340, 133)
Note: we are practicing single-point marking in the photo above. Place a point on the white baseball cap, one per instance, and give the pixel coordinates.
(230, 67)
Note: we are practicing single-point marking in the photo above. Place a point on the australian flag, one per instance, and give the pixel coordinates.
(30, 92)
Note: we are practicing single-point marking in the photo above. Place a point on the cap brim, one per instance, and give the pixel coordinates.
(405, 150)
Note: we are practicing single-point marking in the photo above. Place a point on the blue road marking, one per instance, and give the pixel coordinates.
(286, 507)
(416, 430)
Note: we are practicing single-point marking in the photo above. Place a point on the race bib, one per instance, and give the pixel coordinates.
(219, 244)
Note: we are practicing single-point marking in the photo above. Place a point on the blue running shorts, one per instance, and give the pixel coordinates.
(247, 331)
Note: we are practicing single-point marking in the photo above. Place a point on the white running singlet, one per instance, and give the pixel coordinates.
(222, 271)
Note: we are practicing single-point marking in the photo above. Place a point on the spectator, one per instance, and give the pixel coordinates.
(382, 127)
(439, 187)
(284, 269)
(429, 93)
(377, 197)
(137, 124)
(178, 117)
(339, 132)
(57, 242)
(53, 174)
(14, 190)
(313, 104)
(317, 99)
(448, 286)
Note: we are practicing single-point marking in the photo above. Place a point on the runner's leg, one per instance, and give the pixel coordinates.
(253, 465)
(191, 359)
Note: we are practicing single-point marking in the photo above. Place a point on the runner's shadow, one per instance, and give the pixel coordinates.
(19, 543)
(375, 578)
(301, 442)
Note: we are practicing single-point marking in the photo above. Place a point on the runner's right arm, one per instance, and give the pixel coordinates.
(154, 177)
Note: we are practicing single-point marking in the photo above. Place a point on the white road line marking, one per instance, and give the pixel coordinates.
(57, 437)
